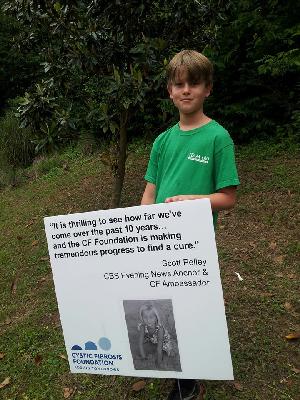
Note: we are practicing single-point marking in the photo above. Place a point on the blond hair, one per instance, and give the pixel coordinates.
(198, 67)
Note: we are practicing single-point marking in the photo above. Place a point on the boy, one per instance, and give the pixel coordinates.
(194, 159)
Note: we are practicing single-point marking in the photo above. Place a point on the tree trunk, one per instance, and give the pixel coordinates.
(119, 170)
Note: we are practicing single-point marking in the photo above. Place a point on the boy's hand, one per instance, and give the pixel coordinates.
(223, 199)
(182, 197)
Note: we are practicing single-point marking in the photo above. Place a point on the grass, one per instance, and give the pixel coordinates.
(258, 240)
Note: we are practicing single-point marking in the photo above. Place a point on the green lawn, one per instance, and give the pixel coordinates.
(259, 240)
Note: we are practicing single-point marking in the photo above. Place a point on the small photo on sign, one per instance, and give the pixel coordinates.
(152, 334)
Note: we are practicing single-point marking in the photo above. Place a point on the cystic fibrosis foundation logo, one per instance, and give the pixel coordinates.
(198, 158)
(104, 344)
(85, 359)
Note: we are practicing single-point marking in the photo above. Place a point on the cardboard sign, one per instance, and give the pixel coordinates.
(139, 291)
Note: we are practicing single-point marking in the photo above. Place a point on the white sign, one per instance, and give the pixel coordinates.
(139, 291)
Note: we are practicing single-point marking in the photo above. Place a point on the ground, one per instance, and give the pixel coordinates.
(259, 240)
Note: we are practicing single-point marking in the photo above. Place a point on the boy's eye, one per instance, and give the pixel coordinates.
(194, 83)
(180, 84)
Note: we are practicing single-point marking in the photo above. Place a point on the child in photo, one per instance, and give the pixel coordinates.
(153, 333)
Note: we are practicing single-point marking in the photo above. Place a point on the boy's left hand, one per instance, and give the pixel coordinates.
(223, 199)
(182, 197)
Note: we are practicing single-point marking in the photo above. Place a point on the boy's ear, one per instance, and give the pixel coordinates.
(169, 87)
(209, 90)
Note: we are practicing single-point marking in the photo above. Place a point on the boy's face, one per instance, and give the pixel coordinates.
(149, 317)
(188, 96)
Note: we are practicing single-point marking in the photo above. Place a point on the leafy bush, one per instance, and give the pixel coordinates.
(256, 62)
(46, 164)
(16, 147)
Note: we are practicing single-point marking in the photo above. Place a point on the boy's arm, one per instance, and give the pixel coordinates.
(149, 194)
(223, 199)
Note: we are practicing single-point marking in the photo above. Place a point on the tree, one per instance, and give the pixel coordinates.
(103, 63)
(16, 69)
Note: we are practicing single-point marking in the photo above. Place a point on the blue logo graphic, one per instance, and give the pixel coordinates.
(76, 347)
(90, 346)
(105, 343)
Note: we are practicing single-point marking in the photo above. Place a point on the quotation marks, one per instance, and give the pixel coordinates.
(104, 344)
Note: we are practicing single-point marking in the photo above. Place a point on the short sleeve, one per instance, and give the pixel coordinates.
(151, 173)
(225, 168)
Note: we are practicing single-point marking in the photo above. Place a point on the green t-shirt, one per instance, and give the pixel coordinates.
(199, 161)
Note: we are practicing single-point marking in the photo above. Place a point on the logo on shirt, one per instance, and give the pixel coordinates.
(198, 158)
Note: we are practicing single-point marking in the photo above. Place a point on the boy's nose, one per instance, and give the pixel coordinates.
(186, 88)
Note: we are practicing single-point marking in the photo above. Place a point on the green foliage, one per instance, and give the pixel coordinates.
(49, 120)
(94, 54)
(88, 143)
(121, 98)
(264, 150)
(279, 64)
(46, 164)
(99, 62)
(257, 64)
(16, 149)
(18, 66)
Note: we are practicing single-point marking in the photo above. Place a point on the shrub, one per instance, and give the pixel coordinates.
(16, 148)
